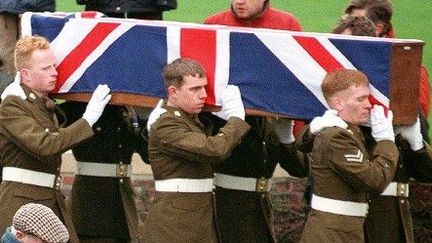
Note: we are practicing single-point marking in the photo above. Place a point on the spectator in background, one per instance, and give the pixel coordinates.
(143, 9)
(35, 223)
(359, 26)
(242, 181)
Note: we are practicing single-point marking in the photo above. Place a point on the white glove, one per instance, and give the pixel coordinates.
(284, 130)
(382, 127)
(155, 114)
(232, 104)
(412, 134)
(97, 103)
(14, 88)
(329, 119)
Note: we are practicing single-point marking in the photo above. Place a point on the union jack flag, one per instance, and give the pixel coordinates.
(276, 71)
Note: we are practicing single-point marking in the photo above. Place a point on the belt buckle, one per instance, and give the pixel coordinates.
(262, 184)
(121, 170)
(402, 190)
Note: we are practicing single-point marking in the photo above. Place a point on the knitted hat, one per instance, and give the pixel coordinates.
(39, 220)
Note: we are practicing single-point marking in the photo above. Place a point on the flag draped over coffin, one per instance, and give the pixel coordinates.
(276, 71)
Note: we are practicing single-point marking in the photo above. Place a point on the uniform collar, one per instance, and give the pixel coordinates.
(31, 95)
(181, 113)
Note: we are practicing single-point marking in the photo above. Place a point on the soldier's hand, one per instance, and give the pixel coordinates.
(14, 88)
(284, 130)
(329, 119)
(382, 127)
(412, 134)
(155, 114)
(97, 103)
(232, 104)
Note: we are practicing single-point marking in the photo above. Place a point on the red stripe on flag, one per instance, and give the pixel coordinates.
(80, 53)
(326, 60)
(319, 53)
(201, 46)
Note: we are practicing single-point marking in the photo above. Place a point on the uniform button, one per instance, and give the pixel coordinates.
(402, 201)
(118, 129)
(118, 8)
(58, 169)
(120, 146)
(121, 180)
(98, 129)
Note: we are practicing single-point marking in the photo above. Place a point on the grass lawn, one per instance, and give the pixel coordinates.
(411, 18)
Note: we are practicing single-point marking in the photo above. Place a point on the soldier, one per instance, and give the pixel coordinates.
(391, 208)
(243, 180)
(182, 151)
(102, 197)
(31, 155)
(343, 168)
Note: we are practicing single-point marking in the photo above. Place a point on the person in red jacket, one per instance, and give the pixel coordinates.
(255, 14)
(242, 181)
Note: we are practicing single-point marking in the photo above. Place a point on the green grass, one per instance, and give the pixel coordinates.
(411, 19)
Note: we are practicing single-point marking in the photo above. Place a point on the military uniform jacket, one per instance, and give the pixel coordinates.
(393, 212)
(344, 170)
(104, 207)
(256, 157)
(35, 142)
(180, 146)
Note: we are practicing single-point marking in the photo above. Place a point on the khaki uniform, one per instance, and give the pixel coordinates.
(180, 146)
(104, 207)
(343, 170)
(392, 213)
(35, 142)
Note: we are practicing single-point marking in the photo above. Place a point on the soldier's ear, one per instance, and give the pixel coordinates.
(337, 103)
(172, 91)
(25, 75)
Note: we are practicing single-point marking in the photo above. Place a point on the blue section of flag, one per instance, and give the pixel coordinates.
(47, 27)
(370, 57)
(265, 82)
(130, 68)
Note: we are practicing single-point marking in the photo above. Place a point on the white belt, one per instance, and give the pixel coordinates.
(396, 189)
(184, 185)
(242, 183)
(31, 177)
(103, 170)
(339, 207)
